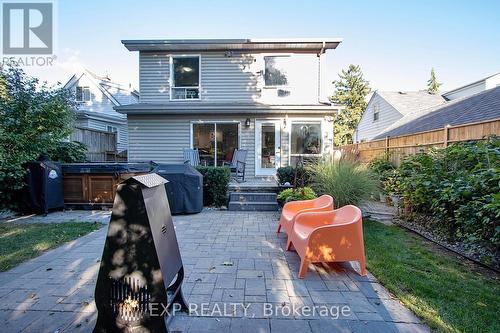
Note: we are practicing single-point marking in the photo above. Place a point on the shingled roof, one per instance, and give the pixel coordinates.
(479, 107)
(411, 101)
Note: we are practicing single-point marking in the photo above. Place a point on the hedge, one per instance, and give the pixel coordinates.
(215, 185)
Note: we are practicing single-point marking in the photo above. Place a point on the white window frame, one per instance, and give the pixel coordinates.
(275, 55)
(215, 122)
(278, 122)
(108, 127)
(171, 78)
(83, 94)
(376, 111)
(307, 121)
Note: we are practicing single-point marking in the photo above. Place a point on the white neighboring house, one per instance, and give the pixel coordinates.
(470, 89)
(96, 96)
(387, 107)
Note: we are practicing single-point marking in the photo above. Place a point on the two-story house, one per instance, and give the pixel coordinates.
(95, 98)
(220, 94)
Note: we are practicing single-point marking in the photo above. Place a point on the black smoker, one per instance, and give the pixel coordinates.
(44, 188)
(140, 261)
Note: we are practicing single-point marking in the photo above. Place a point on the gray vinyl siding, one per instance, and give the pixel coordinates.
(154, 73)
(367, 128)
(222, 78)
(234, 78)
(162, 138)
(157, 138)
(225, 78)
(84, 123)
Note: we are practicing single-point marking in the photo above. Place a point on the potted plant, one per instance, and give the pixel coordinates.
(392, 186)
(382, 196)
(382, 168)
(294, 194)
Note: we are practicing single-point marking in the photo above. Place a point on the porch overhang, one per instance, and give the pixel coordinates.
(225, 108)
(311, 45)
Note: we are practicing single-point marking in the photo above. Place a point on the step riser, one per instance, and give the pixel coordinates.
(237, 206)
(249, 197)
(254, 189)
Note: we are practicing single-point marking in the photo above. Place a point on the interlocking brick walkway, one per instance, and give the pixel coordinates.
(233, 261)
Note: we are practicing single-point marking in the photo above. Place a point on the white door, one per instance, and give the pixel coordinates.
(267, 147)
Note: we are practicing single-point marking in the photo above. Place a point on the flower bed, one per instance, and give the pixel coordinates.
(457, 189)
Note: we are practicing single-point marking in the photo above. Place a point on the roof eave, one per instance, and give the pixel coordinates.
(229, 109)
(313, 45)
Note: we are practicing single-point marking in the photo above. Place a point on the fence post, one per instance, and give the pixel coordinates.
(446, 136)
(387, 147)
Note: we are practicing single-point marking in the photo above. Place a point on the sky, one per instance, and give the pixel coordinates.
(396, 43)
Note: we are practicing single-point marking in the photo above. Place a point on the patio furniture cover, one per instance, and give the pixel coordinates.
(44, 188)
(184, 187)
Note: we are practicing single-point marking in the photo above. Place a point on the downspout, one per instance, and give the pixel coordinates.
(319, 70)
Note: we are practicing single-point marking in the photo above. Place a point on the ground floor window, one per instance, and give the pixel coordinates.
(215, 142)
(305, 141)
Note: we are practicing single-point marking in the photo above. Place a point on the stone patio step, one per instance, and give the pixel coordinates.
(260, 206)
(252, 197)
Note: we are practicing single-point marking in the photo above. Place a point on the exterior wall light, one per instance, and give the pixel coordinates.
(247, 122)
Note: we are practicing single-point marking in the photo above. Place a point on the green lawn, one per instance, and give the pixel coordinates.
(447, 292)
(19, 242)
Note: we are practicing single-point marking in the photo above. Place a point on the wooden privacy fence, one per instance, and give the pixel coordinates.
(400, 146)
(101, 145)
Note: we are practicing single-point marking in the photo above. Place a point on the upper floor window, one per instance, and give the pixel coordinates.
(185, 77)
(376, 112)
(275, 73)
(113, 129)
(82, 94)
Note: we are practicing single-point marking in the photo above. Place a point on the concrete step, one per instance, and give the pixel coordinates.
(258, 206)
(245, 188)
(252, 197)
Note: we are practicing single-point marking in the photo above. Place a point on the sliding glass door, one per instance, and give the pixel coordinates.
(215, 142)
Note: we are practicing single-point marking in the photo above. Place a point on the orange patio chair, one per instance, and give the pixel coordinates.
(329, 237)
(292, 208)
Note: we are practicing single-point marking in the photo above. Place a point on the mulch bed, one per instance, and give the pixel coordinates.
(426, 227)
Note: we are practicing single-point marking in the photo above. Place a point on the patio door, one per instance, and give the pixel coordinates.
(267, 147)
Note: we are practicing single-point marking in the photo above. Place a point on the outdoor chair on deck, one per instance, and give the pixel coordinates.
(329, 237)
(238, 163)
(191, 157)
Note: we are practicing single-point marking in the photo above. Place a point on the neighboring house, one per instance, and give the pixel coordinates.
(387, 107)
(483, 106)
(218, 94)
(470, 89)
(96, 96)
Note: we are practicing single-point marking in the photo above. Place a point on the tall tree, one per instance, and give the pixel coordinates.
(350, 90)
(34, 118)
(3, 87)
(432, 84)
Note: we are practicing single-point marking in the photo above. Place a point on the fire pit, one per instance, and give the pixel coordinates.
(141, 270)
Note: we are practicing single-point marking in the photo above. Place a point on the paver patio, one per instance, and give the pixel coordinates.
(237, 273)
